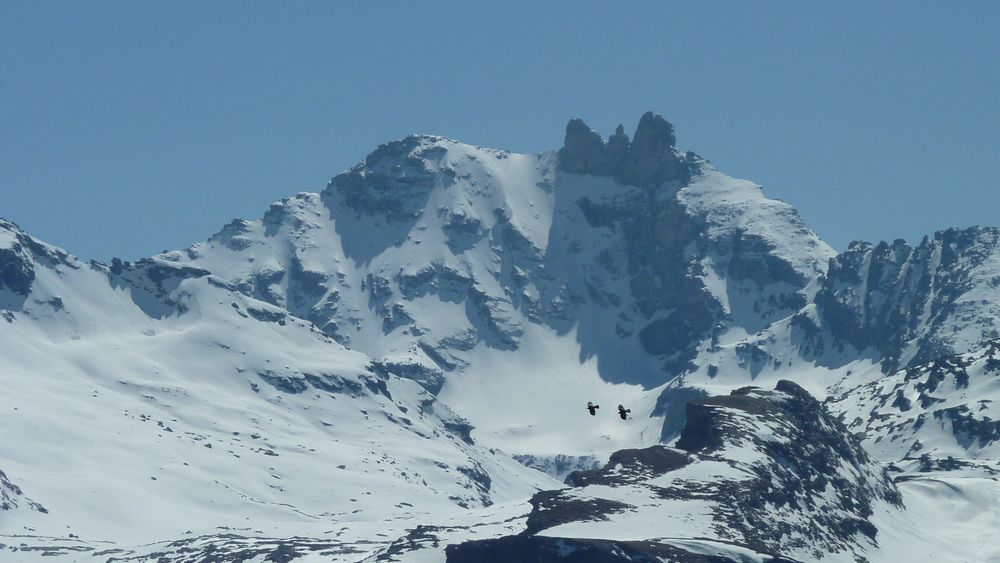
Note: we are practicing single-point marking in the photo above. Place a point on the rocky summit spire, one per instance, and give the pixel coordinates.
(617, 148)
(583, 150)
(652, 159)
(649, 160)
(653, 133)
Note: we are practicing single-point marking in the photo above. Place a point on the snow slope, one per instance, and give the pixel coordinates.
(937, 417)
(158, 402)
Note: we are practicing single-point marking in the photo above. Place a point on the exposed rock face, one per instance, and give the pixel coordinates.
(672, 405)
(17, 270)
(680, 231)
(788, 479)
(670, 310)
(392, 181)
(910, 304)
(154, 280)
(806, 455)
(21, 258)
(814, 450)
(584, 151)
(650, 160)
(666, 279)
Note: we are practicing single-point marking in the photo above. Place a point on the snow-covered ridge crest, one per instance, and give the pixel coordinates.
(731, 206)
(18, 255)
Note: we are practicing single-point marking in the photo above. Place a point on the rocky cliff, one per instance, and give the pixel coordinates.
(761, 475)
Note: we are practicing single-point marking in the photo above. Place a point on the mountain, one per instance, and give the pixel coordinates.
(754, 474)
(401, 363)
(912, 305)
(444, 262)
(939, 417)
(147, 400)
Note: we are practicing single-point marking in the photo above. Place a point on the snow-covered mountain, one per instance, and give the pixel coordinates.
(912, 305)
(755, 474)
(495, 272)
(401, 362)
(145, 401)
(943, 416)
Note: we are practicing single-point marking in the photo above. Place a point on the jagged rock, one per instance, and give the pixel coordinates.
(583, 151)
(617, 149)
(651, 158)
(430, 378)
(649, 161)
(392, 181)
(912, 305)
(777, 473)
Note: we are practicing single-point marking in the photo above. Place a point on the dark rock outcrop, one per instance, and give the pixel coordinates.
(671, 405)
(807, 454)
(633, 466)
(651, 158)
(393, 181)
(584, 151)
(648, 161)
(797, 483)
(17, 269)
(542, 549)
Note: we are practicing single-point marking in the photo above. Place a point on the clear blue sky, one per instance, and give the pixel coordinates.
(131, 127)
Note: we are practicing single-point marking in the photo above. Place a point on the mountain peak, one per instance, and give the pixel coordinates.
(648, 161)
(653, 134)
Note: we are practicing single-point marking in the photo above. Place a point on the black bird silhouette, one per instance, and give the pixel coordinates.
(592, 408)
(623, 412)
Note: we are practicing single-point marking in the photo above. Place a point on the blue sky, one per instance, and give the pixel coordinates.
(127, 128)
